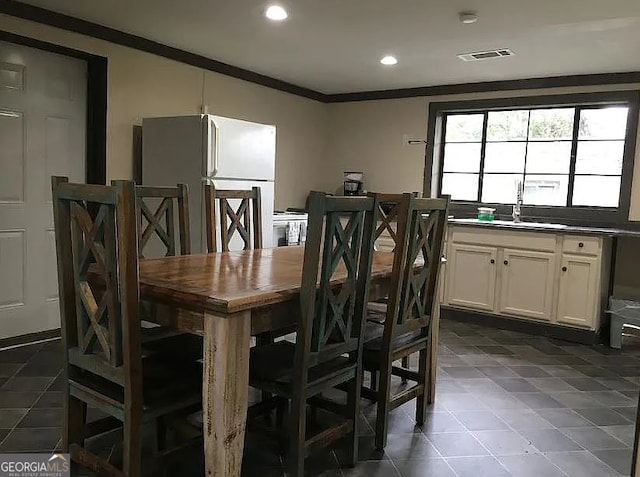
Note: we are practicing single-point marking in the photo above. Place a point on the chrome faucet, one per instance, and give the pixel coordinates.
(518, 205)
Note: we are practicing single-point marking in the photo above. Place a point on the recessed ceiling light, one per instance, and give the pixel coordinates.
(276, 13)
(468, 17)
(389, 60)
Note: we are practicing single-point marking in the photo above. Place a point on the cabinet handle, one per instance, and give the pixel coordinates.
(506, 262)
(564, 269)
(492, 261)
(580, 245)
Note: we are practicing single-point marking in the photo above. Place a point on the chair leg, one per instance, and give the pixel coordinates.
(76, 418)
(353, 412)
(405, 365)
(281, 411)
(297, 432)
(422, 403)
(374, 380)
(161, 434)
(262, 340)
(132, 443)
(382, 413)
(313, 414)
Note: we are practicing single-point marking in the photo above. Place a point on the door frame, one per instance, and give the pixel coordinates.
(96, 124)
(96, 134)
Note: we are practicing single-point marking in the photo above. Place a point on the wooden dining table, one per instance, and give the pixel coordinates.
(228, 297)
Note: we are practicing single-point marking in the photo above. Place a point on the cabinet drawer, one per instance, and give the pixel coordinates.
(504, 238)
(581, 245)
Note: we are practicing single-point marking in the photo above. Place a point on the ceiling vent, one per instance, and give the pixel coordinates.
(486, 55)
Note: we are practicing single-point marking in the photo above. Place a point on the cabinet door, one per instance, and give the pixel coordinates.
(471, 276)
(527, 284)
(578, 291)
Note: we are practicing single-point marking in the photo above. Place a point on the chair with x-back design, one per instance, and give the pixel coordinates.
(421, 225)
(390, 206)
(335, 281)
(156, 218)
(105, 363)
(157, 209)
(245, 221)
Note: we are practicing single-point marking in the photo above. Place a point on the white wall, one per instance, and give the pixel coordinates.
(142, 84)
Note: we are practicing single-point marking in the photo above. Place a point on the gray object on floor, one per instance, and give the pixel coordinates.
(623, 312)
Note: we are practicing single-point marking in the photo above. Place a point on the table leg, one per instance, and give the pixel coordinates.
(225, 391)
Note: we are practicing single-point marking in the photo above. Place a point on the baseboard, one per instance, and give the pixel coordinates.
(587, 337)
(626, 292)
(29, 338)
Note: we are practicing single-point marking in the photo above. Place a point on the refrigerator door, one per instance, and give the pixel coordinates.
(266, 194)
(239, 149)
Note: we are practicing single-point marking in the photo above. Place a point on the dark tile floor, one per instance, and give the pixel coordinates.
(508, 404)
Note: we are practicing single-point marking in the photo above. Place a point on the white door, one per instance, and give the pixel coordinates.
(471, 276)
(527, 284)
(42, 133)
(578, 294)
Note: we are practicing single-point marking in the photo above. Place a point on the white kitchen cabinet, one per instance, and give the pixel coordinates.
(578, 291)
(471, 276)
(527, 279)
(547, 276)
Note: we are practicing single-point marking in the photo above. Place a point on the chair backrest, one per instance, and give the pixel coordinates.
(421, 229)
(389, 207)
(155, 211)
(97, 256)
(232, 220)
(340, 238)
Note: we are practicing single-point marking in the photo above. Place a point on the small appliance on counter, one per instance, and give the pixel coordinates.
(353, 183)
(289, 228)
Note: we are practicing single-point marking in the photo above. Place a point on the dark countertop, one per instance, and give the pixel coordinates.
(548, 227)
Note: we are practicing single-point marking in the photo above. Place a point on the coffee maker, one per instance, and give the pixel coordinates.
(353, 183)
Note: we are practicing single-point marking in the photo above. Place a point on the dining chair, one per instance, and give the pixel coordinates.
(157, 219)
(389, 208)
(222, 216)
(105, 364)
(229, 220)
(157, 209)
(407, 323)
(328, 345)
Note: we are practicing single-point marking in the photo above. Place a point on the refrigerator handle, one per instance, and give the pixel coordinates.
(213, 133)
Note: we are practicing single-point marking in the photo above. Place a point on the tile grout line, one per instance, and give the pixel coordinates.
(28, 409)
(516, 431)
(470, 433)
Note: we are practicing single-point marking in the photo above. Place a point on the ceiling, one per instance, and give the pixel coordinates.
(334, 46)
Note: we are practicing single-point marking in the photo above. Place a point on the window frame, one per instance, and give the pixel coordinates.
(570, 214)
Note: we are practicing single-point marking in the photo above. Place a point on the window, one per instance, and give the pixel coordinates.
(566, 156)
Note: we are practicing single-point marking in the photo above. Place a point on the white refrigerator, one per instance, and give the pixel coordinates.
(207, 149)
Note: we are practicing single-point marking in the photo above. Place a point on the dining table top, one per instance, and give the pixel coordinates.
(230, 282)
